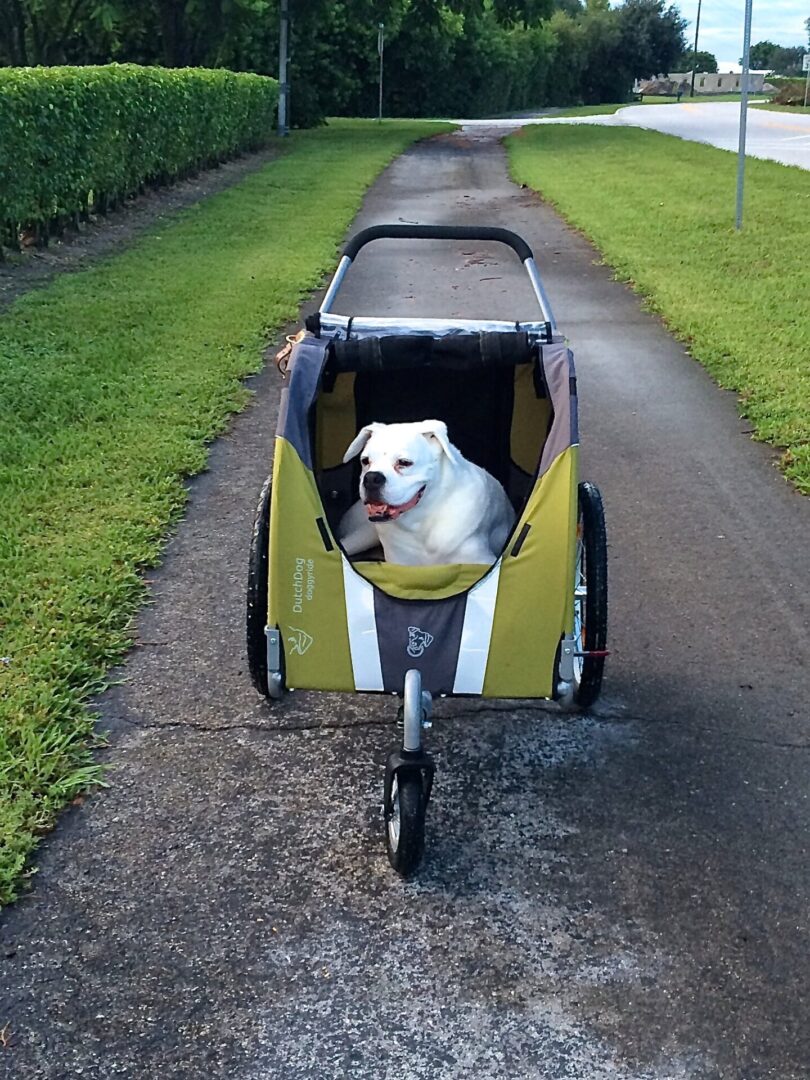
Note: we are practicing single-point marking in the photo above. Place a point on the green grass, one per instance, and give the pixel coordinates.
(112, 383)
(661, 211)
(771, 107)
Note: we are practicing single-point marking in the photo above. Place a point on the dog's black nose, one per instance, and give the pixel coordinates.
(373, 481)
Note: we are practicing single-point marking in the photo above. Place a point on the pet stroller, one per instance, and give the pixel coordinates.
(531, 626)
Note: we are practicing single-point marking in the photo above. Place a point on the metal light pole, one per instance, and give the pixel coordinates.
(806, 67)
(380, 48)
(283, 84)
(694, 52)
(746, 63)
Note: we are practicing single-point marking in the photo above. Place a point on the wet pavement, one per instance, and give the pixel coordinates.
(616, 896)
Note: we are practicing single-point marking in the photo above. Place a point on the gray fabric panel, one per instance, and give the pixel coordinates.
(558, 366)
(574, 400)
(303, 375)
(432, 631)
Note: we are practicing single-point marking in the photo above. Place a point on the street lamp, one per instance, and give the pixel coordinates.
(694, 52)
(746, 63)
(283, 84)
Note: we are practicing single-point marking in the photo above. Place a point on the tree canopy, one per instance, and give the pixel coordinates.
(443, 57)
(767, 56)
(700, 61)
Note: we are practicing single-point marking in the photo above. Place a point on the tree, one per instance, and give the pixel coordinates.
(761, 55)
(443, 57)
(652, 37)
(523, 13)
(788, 61)
(702, 61)
(767, 56)
(57, 31)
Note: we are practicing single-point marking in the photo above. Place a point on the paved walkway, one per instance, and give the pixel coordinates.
(620, 896)
(777, 136)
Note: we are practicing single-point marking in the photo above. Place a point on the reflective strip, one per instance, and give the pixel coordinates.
(476, 633)
(363, 644)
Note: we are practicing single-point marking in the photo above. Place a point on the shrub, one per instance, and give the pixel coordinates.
(789, 93)
(74, 138)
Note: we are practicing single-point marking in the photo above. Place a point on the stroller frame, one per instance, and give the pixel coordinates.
(580, 653)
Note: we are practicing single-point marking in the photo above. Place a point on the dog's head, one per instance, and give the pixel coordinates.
(399, 463)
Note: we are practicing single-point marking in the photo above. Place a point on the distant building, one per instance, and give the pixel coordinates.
(722, 82)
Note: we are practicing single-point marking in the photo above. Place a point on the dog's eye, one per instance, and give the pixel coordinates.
(403, 463)
(364, 461)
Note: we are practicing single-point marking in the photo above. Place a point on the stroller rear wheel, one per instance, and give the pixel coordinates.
(257, 593)
(590, 596)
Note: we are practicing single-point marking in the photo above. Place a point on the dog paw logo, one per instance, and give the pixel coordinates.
(299, 640)
(418, 640)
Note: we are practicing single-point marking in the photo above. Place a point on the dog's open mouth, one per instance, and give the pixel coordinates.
(380, 511)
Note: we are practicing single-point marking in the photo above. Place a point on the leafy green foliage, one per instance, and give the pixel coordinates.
(767, 56)
(442, 57)
(660, 209)
(700, 60)
(74, 136)
(112, 382)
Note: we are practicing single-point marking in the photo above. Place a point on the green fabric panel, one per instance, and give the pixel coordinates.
(335, 425)
(422, 582)
(530, 419)
(536, 589)
(306, 597)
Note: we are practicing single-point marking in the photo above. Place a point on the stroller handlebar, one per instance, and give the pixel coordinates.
(438, 232)
(441, 232)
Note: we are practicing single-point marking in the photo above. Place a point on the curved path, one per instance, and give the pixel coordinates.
(618, 896)
(777, 136)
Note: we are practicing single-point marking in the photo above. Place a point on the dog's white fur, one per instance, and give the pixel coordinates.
(463, 515)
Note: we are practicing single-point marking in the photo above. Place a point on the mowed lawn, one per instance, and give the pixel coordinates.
(661, 211)
(112, 383)
(799, 110)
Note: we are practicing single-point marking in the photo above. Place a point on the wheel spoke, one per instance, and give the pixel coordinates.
(393, 824)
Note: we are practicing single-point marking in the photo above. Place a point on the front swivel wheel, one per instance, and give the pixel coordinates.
(408, 782)
(405, 822)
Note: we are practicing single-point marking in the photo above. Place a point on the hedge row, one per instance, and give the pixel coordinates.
(77, 138)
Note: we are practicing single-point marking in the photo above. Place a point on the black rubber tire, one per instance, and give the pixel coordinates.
(257, 592)
(407, 855)
(594, 538)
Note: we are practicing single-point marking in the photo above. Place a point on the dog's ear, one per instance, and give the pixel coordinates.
(436, 431)
(362, 437)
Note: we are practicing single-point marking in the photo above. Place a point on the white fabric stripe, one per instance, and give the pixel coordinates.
(362, 625)
(476, 633)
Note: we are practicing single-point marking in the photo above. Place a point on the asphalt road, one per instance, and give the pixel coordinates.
(778, 136)
(617, 896)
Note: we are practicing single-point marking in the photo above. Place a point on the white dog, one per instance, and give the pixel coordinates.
(422, 500)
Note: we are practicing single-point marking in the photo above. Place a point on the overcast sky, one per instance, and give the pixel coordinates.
(722, 21)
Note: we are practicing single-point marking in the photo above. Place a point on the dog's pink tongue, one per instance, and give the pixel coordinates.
(375, 509)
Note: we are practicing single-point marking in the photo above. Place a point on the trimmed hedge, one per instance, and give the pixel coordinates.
(77, 138)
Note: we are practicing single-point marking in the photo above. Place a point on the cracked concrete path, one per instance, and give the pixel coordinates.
(618, 896)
